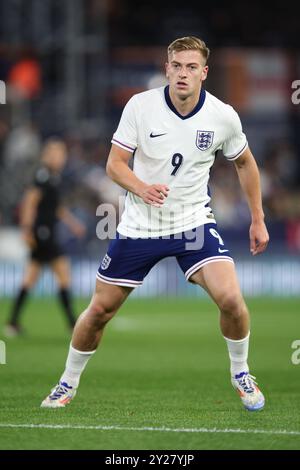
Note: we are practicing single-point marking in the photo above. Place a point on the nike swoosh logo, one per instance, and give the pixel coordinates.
(222, 251)
(156, 135)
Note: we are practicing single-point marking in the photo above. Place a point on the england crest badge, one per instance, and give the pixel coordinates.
(105, 262)
(204, 139)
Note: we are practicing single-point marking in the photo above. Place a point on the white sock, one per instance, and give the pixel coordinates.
(76, 362)
(238, 354)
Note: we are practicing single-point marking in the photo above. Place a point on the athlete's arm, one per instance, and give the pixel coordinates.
(71, 221)
(248, 173)
(28, 213)
(118, 170)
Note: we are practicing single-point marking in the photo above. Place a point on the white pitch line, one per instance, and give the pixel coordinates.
(151, 429)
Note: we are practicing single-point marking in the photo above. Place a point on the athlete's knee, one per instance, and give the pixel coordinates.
(99, 313)
(29, 284)
(232, 304)
(64, 285)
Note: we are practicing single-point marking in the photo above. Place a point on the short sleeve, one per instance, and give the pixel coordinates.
(126, 133)
(236, 142)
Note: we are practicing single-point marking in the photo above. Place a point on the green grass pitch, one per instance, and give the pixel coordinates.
(163, 365)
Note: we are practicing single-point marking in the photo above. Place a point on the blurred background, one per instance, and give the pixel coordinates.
(70, 66)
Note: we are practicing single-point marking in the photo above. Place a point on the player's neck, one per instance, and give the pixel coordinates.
(184, 105)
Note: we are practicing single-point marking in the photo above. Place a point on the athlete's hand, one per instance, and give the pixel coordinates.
(78, 229)
(28, 237)
(154, 194)
(259, 237)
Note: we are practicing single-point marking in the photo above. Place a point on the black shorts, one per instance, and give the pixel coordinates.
(46, 248)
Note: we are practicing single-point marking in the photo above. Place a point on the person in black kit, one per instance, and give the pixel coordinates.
(40, 212)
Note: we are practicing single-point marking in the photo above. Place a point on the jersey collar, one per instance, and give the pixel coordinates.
(194, 111)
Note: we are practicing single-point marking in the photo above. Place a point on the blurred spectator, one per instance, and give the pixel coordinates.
(4, 130)
(293, 233)
(279, 182)
(19, 155)
(227, 203)
(23, 145)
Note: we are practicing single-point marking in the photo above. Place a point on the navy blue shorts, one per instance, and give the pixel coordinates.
(129, 260)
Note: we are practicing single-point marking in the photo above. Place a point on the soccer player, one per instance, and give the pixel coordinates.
(174, 133)
(40, 210)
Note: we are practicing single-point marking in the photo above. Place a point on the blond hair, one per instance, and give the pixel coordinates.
(189, 43)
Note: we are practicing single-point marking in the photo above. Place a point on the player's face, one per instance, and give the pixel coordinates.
(186, 70)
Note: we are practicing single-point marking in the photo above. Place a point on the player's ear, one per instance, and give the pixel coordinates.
(166, 67)
(204, 73)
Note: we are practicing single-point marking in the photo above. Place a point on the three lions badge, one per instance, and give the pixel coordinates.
(204, 139)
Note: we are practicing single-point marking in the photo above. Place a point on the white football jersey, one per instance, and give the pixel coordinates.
(177, 151)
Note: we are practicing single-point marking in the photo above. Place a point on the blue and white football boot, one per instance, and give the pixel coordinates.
(60, 396)
(245, 385)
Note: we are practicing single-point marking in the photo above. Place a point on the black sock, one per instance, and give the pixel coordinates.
(65, 298)
(17, 306)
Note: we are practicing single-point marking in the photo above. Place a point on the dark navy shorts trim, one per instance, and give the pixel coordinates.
(129, 260)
